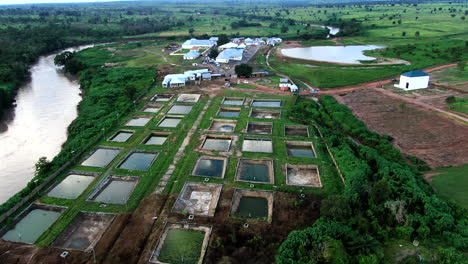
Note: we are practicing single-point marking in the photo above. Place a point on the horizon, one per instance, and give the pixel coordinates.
(26, 2)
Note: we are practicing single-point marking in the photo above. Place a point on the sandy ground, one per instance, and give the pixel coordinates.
(416, 130)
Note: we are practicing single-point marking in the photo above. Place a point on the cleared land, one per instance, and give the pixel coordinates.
(435, 139)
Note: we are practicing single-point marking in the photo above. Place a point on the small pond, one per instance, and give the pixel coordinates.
(71, 187)
(138, 121)
(233, 102)
(151, 109)
(254, 172)
(253, 208)
(115, 192)
(155, 140)
(267, 103)
(217, 144)
(138, 161)
(300, 151)
(170, 122)
(209, 168)
(228, 113)
(257, 145)
(121, 136)
(335, 54)
(182, 246)
(180, 109)
(101, 157)
(31, 226)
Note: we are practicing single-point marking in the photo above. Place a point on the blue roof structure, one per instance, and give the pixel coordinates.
(191, 54)
(416, 73)
(229, 53)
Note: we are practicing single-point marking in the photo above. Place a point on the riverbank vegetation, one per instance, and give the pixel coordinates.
(375, 206)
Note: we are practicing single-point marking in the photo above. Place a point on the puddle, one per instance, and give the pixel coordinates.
(101, 157)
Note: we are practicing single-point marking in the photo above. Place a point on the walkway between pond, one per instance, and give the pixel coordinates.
(180, 152)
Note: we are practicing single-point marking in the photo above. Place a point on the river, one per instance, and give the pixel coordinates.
(37, 126)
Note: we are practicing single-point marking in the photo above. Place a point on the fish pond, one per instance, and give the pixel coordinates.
(336, 54)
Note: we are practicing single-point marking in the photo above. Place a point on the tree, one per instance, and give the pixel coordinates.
(380, 191)
(416, 33)
(130, 91)
(191, 31)
(335, 207)
(213, 53)
(403, 33)
(461, 66)
(222, 39)
(243, 70)
(42, 167)
(284, 29)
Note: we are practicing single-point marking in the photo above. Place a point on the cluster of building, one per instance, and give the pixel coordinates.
(180, 80)
(285, 85)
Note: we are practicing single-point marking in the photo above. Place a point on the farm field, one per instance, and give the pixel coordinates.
(431, 137)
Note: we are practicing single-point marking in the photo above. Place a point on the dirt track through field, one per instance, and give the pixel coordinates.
(415, 128)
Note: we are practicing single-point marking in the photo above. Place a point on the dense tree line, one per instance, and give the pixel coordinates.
(384, 198)
(108, 94)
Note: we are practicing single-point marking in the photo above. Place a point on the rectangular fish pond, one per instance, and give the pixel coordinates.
(192, 250)
(180, 109)
(188, 98)
(259, 127)
(263, 145)
(266, 103)
(151, 108)
(300, 149)
(198, 199)
(162, 97)
(303, 175)
(156, 138)
(138, 160)
(217, 143)
(296, 131)
(72, 186)
(265, 113)
(32, 223)
(138, 121)
(114, 190)
(121, 136)
(170, 121)
(254, 205)
(223, 125)
(210, 166)
(101, 157)
(233, 101)
(255, 171)
(229, 112)
(84, 231)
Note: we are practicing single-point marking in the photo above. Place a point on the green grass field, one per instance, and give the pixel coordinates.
(452, 184)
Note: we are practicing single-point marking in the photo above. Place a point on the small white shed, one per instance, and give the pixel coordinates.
(413, 80)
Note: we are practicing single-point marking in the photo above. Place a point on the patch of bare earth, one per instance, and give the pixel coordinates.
(435, 139)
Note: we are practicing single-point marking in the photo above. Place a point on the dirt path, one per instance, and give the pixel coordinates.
(180, 152)
(424, 105)
(162, 56)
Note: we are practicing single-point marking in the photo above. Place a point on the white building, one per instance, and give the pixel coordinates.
(179, 80)
(198, 43)
(191, 55)
(230, 54)
(228, 45)
(413, 80)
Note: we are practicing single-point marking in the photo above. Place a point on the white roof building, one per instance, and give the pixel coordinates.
(413, 80)
(197, 43)
(179, 80)
(228, 45)
(230, 54)
(191, 55)
(214, 39)
(242, 46)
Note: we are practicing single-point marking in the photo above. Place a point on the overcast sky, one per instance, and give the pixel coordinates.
(9, 2)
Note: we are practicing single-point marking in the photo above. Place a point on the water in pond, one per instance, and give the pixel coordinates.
(116, 192)
(37, 126)
(180, 109)
(266, 103)
(253, 145)
(156, 140)
(138, 161)
(210, 168)
(170, 122)
(229, 113)
(31, 227)
(121, 136)
(138, 121)
(71, 187)
(254, 172)
(226, 128)
(101, 157)
(300, 151)
(253, 208)
(151, 109)
(336, 54)
(182, 246)
(162, 98)
(233, 102)
(217, 144)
